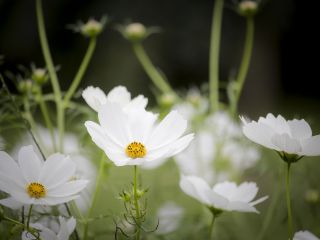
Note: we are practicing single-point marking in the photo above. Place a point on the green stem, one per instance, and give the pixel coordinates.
(136, 203)
(52, 73)
(151, 70)
(29, 216)
(211, 225)
(83, 67)
(46, 51)
(95, 195)
(290, 230)
(245, 63)
(46, 117)
(214, 54)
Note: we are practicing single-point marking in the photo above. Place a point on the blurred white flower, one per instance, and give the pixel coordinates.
(292, 137)
(222, 126)
(223, 196)
(304, 235)
(169, 215)
(194, 106)
(34, 181)
(218, 152)
(61, 231)
(133, 137)
(95, 98)
(198, 158)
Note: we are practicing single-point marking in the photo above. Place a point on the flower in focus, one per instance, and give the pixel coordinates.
(133, 137)
(61, 231)
(304, 235)
(290, 137)
(95, 98)
(223, 196)
(169, 215)
(34, 181)
(85, 169)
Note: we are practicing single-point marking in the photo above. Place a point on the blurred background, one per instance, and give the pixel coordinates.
(283, 73)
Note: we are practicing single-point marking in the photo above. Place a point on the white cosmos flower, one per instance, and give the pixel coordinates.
(34, 181)
(85, 169)
(304, 235)
(169, 215)
(61, 231)
(224, 196)
(133, 137)
(293, 136)
(95, 98)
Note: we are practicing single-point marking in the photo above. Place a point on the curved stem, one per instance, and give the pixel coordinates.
(136, 203)
(245, 63)
(211, 225)
(83, 67)
(95, 195)
(214, 54)
(151, 70)
(46, 51)
(46, 117)
(52, 73)
(290, 231)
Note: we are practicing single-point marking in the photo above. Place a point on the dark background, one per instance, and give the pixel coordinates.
(284, 70)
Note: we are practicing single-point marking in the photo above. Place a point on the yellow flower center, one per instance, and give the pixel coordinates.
(136, 150)
(36, 190)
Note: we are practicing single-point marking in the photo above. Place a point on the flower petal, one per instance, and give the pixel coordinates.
(9, 169)
(100, 138)
(67, 189)
(11, 202)
(138, 102)
(56, 170)
(169, 129)
(241, 207)
(225, 189)
(245, 192)
(119, 95)
(259, 133)
(30, 164)
(304, 235)
(311, 146)
(195, 187)
(115, 123)
(94, 97)
(287, 144)
(300, 129)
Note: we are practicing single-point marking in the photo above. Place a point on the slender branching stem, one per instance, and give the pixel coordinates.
(290, 229)
(214, 54)
(136, 203)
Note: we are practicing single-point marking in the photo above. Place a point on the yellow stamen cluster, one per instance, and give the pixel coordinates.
(36, 190)
(136, 150)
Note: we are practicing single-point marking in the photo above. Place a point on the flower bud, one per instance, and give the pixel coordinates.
(135, 32)
(25, 86)
(92, 28)
(125, 196)
(39, 75)
(312, 196)
(167, 100)
(247, 8)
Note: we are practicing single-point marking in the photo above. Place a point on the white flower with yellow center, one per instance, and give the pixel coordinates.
(34, 181)
(95, 98)
(226, 196)
(304, 235)
(133, 137)
(61, 231)
(292, 137)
